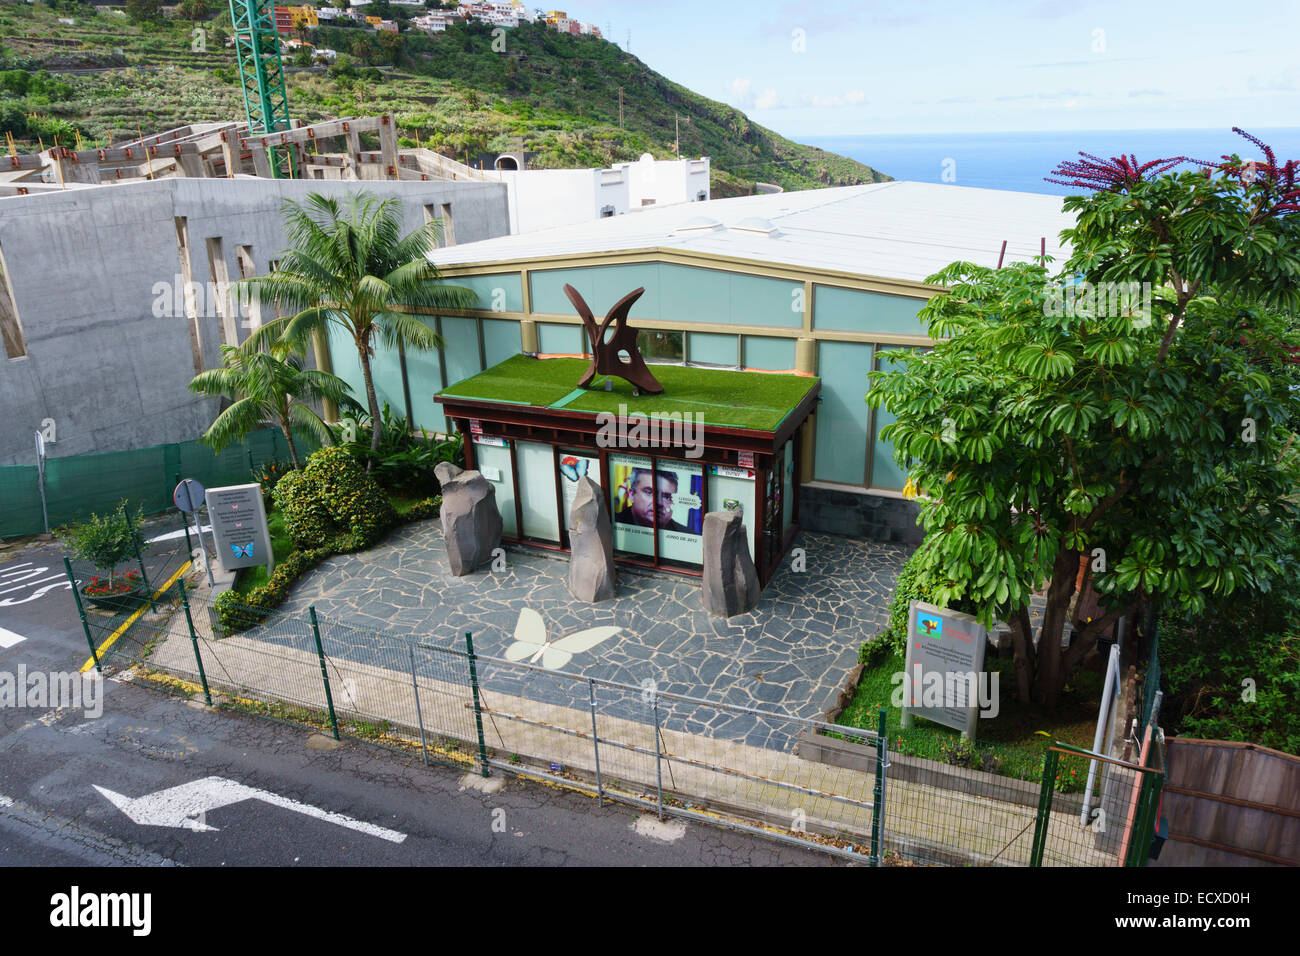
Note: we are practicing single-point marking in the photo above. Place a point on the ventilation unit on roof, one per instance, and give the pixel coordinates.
(699, 224)
(761, 227)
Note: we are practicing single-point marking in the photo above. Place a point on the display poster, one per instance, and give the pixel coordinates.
(681, 512)
(239, 526)
(632, 504)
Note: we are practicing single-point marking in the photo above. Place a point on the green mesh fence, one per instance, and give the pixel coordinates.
(20, 501)
(79, 485)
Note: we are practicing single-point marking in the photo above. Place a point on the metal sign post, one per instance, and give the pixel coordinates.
(40, 470)
(188, 496)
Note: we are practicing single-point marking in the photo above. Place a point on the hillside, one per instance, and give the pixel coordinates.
(553, 94)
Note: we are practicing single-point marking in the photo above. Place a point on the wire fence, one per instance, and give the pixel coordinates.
(431, 696)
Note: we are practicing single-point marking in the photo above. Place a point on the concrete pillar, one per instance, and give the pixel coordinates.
(805, 360)
(261, 161)
(351, 169)
(805, 356)
(388, 147)
(230, 153)
(528, 336)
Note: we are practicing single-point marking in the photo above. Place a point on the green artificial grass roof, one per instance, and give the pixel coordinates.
(757, 400)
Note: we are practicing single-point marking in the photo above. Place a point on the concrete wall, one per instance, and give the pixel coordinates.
(545, 198)
(109, 343)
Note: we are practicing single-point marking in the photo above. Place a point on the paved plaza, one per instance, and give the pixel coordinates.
(791, 654)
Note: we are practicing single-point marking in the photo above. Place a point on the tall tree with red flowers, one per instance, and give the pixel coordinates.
(1131, 411)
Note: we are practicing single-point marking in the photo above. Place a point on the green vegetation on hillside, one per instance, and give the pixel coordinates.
(548, 93)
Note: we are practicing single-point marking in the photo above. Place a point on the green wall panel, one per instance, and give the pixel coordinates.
(771, 354)
(842, 414)
(559, 339)
(713, 348)
(885, 472)
(501, 339)
(496, 293)
(460, 354)
(424, 374)
(852, 310)
(675, 293)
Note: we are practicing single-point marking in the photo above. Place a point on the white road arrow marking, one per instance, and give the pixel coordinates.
(173, 534)
(8, 639)
(185, 807)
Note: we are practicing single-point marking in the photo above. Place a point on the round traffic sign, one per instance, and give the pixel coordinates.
(189, 495)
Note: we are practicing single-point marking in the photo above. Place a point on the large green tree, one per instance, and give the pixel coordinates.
(268, 389)
(351, 267)
(1062, 421)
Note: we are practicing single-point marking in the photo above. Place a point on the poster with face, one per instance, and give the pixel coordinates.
(632, 504)
(574, 465)
(681, 512)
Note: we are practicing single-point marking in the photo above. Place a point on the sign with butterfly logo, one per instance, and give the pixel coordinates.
(532, 644)
(239, 525)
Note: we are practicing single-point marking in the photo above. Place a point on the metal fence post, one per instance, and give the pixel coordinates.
(659, 761)
(1045, 792)
(194, 639)
(595, 740)
(81, 610)
(139, 558)
(878, 792)
(478, 707)
(324, 674)
(419, 717)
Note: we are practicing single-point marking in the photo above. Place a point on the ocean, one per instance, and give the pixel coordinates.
(1019, 160)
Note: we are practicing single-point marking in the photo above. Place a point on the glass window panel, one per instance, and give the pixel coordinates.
(494, 464)
(537, 491)
(657, 345)
(732, 489)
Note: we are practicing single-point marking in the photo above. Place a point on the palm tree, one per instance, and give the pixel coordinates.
(268, 390)
(350, 266)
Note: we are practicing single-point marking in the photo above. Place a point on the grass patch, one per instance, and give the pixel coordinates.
(756, 400)
(1012, 743)
(281, 548)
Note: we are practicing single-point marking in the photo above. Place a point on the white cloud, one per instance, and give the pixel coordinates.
(768, 100)
(742, 93)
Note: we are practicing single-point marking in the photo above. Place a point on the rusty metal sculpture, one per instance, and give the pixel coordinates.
(605, 358)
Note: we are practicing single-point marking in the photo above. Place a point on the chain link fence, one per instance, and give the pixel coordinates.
(787, 777)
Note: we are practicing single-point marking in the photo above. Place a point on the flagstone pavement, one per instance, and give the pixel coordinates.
(790, 654)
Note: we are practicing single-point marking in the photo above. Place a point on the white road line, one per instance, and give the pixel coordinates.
(10, 568)
(9, 639)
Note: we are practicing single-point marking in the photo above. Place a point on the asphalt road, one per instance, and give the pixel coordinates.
(53, 760)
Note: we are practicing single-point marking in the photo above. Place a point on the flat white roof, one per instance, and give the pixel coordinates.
(893, 230)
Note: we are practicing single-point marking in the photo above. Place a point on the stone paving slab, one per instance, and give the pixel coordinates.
(791, 653)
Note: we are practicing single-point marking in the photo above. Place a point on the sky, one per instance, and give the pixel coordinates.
(863, 67)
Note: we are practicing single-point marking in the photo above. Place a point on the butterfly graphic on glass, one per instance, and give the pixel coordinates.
(531, 641)
(573, 467)
(243, 550)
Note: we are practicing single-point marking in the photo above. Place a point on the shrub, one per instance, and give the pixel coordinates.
(268, 475)
(104, 541)
(238, 612)
(332, 497)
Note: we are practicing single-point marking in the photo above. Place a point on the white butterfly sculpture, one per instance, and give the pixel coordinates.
(530, 639)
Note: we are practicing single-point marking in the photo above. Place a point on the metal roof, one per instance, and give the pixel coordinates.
(895, 230)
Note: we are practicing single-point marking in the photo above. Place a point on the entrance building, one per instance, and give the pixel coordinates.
(713, 440)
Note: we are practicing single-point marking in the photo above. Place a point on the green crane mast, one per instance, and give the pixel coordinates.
(261, 75)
